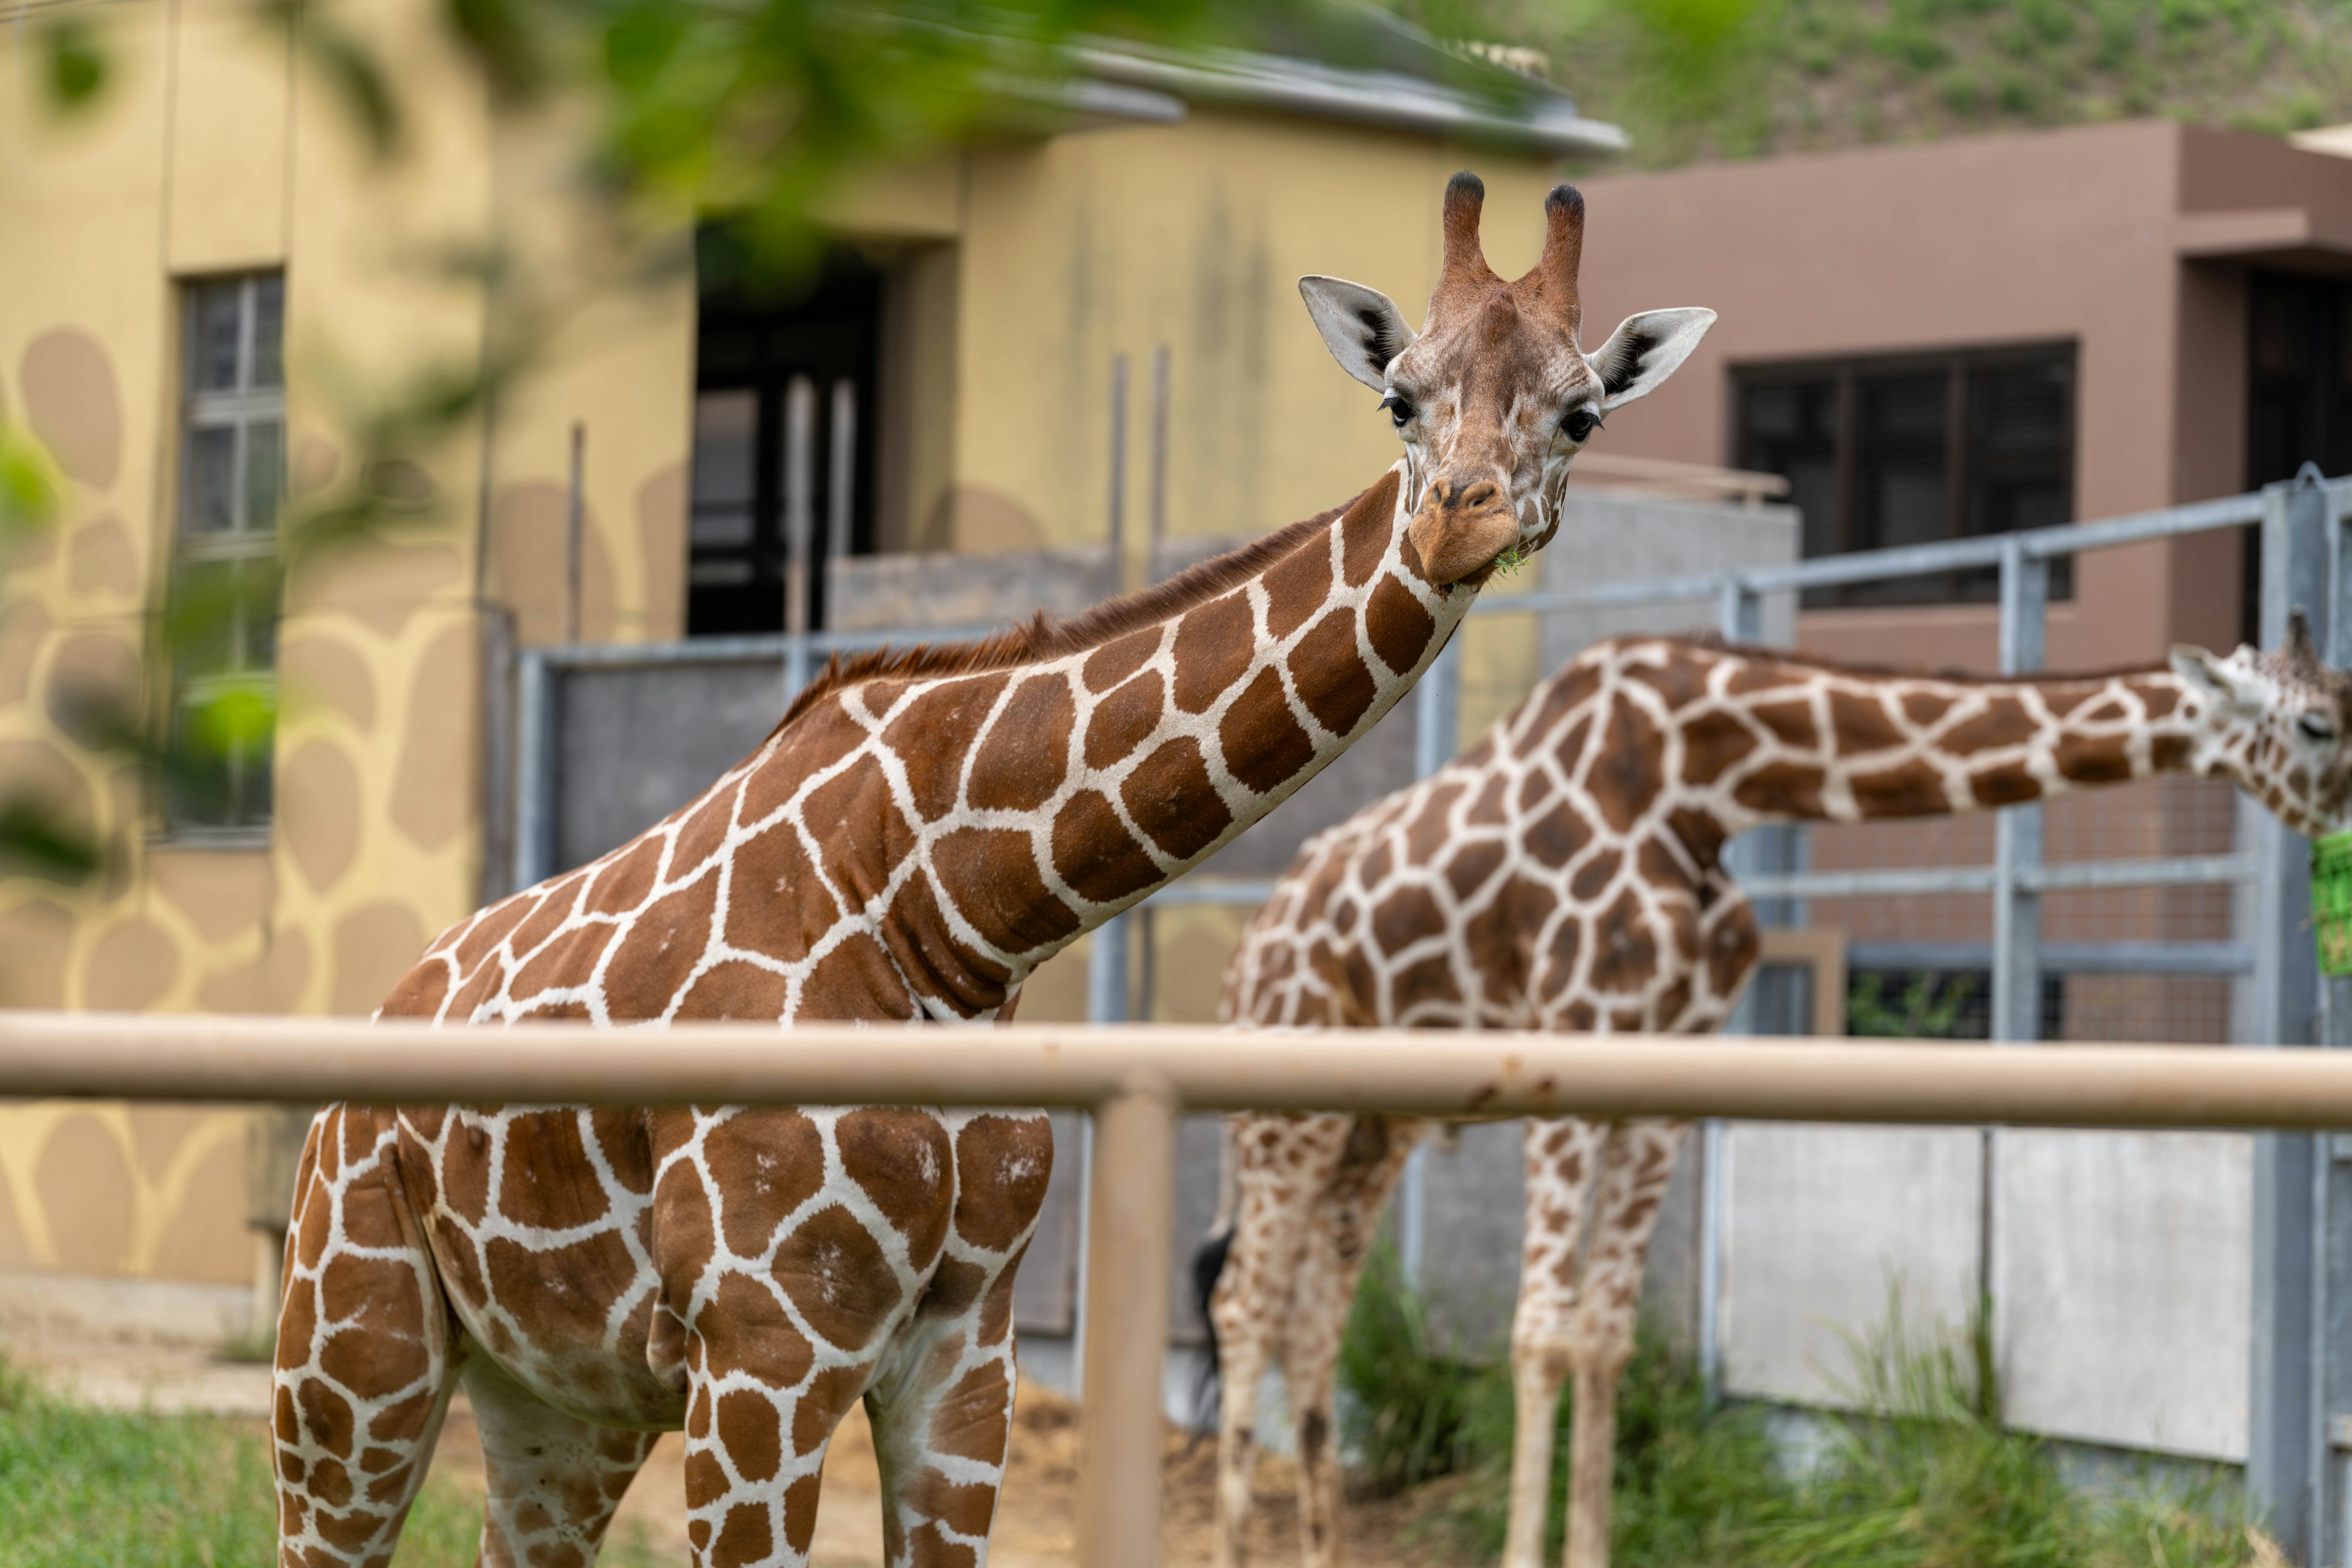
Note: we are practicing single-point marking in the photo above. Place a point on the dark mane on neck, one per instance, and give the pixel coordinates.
(1866, 669)
(1045, 637)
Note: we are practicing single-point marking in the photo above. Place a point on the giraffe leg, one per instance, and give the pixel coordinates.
(1338, 1236)
(1562, 1157)
(1280, 1164)
(366, 1359)
(1636, 1168)
(554, 1480)
(941, 1408)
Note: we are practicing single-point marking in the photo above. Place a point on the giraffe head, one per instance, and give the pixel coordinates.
(1493, 397)
(2280, 724)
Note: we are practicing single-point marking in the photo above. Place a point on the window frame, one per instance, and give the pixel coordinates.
(1957, 364)
(250, 809)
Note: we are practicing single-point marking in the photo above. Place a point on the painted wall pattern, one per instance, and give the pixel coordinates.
(1019, 270)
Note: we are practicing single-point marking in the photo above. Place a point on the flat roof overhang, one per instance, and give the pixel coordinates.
(2299, 239)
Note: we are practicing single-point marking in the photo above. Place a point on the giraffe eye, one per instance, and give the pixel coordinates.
(1399, 408)
(1579, 424)
(2316, 729)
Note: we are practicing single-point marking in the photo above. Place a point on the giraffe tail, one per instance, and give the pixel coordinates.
(1208, 1263)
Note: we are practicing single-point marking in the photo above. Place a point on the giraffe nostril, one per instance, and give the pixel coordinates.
(1483, 493)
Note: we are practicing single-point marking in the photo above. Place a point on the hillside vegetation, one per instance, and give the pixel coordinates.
(1733, 78)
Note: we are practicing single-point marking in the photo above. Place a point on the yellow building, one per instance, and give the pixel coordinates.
(209, 288)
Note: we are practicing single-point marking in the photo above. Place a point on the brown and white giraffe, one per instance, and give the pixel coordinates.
(919, 833)
(1566, 874)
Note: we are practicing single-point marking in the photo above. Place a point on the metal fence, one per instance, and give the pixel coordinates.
(2302, 1372)
(2300, 1464)
(1136, 1082)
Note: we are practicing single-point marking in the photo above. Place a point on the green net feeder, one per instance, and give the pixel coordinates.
(2331, 902)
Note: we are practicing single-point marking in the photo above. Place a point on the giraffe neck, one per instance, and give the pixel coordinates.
(1004, 811)
(1784, 739)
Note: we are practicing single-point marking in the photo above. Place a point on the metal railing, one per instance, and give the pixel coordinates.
(1136, 1082)
(2306, 567)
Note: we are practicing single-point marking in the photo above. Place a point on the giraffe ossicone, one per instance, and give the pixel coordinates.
(922, 830)
(1565, 874)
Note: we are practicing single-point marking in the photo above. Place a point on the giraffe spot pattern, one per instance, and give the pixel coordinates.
(1565, 875)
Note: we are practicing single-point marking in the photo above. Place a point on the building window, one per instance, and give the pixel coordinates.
(2298, 396)
(224, 596)
(1888, 452)
(783, 440)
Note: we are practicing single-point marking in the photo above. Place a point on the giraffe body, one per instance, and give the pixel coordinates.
(1566, 874)
(921, 832)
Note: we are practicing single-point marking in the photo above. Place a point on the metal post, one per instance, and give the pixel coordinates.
(1159, 498)
(1118, 466)
(1106, 998)
(2016, 909)
(2331, 1275)
(534, 826)
(800, 525)
(841, 470)
(2286, 1449)
(1740, 619)
(1437, 726)
(1437, 709)
(1130, 1230)
(574, 506)
(498, 751)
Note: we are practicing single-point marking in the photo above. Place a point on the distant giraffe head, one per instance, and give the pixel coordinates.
(2278, 724)
(1494, 396)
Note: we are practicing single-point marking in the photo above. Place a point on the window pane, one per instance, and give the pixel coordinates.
(215, 338)
(2019, 473)
(268, 332)
(1789, 429)
(1902, 479)
(208, 489)
(726, 439)
(264, 472)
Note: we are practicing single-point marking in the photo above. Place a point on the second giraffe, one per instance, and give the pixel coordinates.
(1566, 874)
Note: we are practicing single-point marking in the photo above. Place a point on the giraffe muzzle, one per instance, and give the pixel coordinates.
(1460, 528)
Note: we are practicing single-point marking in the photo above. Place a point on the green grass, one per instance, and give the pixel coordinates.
(1925, 1477)
(1714, 79)
(91, 1488)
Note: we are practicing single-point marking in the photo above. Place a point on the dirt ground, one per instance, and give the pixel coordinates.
(1036, 1516)
(1035, 1521)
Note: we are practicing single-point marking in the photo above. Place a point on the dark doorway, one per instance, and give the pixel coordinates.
(783, 439)
(2298, 395)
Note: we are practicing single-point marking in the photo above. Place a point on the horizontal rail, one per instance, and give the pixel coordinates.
(2065, 876)
(760, 649)
(1468, 1073)
(2207, 958)
(1872, 882)
(1912, 560)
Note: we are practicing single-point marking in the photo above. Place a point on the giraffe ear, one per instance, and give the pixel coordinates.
(2226, 684)
(1646, 349)
(1360, 326)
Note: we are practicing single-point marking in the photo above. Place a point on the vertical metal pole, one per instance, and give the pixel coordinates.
(1118, 466)
(800, 525)
(1159, 499)
(1437, 726)
(2286, 1448)
(1739, 617)
(2331, 1274)
(534, 840)
(498, 751)
(841, 470)
(2016, 909)
(574, 507)
(1131, 1229)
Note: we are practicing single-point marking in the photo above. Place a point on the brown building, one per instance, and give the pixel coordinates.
(1999, 332)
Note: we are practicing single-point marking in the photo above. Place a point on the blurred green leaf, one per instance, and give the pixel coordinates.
(353, 74)
(29, 484)
(34, 840)
(77, 64)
